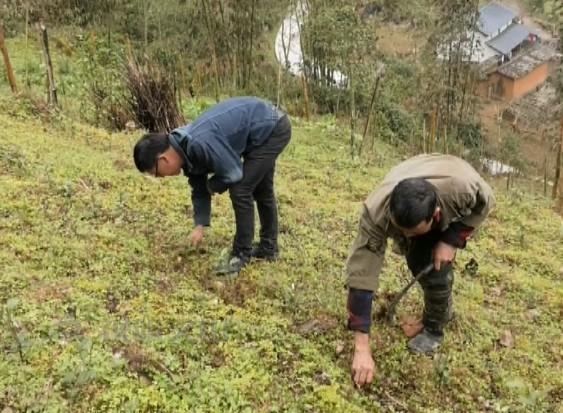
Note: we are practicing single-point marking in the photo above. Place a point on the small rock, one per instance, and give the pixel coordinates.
(145, 380)
(506, 339)
(472, 268)
(308, 327)
(411, 326)
(323, 378)
(318, 325)
(130, 126)
(339, 348)
(112, 303)
(496, 291)
(533, 314)
(218, 285)
(7, 410)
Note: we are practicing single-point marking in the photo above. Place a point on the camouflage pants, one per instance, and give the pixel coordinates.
(436, 285)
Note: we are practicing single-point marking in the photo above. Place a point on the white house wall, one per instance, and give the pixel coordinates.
(481, 52)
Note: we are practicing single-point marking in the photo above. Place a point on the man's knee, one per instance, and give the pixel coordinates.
(240, 191)
(265, 194)
(438, 281)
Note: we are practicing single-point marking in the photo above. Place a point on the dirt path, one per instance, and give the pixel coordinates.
(532, 148)
(527, 19)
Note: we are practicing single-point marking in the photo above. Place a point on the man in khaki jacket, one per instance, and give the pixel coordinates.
(429, 205)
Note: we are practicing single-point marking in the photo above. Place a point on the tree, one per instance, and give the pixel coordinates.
(447, 76)
(338, 48)
(559, 77)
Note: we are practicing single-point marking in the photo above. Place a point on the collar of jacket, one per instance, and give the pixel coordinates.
(445, 217)
(181, 144)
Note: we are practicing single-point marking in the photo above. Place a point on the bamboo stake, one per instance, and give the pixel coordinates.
(52, 95)
(7, 63)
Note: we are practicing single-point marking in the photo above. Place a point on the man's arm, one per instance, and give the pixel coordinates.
(220, 159)
(457, 234)
(359, 321)
(474, 208)
(363, 267)
(201, 200)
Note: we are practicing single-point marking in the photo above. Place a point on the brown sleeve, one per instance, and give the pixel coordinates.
(366, 256)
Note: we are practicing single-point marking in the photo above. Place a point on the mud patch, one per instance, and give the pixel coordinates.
(13, 161)
(383, 302)
(317, 325)
(234, 292)
(141, 363)
(51, 292)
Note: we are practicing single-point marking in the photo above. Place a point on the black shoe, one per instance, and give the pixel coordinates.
(261, 252)
(233, 266)
(425, 342)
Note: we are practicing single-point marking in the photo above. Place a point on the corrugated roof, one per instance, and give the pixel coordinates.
(493, 16)
(509, 39)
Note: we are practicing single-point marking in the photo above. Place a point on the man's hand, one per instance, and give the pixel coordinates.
(443, 253)
(197, 235)
(363, 367)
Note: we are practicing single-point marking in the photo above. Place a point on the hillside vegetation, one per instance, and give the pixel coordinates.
(105, 307)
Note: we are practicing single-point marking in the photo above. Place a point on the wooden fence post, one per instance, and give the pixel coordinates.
(52, 96)
(7, 63)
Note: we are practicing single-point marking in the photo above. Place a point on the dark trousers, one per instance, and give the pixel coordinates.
(436, 285)
(257, 185)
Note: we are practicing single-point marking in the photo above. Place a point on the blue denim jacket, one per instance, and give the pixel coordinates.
(215, 143)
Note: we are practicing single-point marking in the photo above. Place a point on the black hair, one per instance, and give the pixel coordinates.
(148, 148)
(412, 201)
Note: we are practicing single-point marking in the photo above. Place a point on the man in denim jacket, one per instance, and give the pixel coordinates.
(232, 146)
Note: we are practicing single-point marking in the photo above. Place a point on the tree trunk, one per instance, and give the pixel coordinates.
(371, 103)
(278, 99)
(26, 45)
(52, 96)
(238, 52)
(379, 74)
(305, 96)
(249, 68)
(352, 113)
(433, 122)
(7, 63)
(560, 74)
(212, 47)
(146, 22)
(227, 36)
(468, 79)
(557, 180)
(424, 135)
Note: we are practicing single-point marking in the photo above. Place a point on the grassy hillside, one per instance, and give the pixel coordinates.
(106, 308)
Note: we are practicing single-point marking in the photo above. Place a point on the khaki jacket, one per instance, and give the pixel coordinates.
(462, 196)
